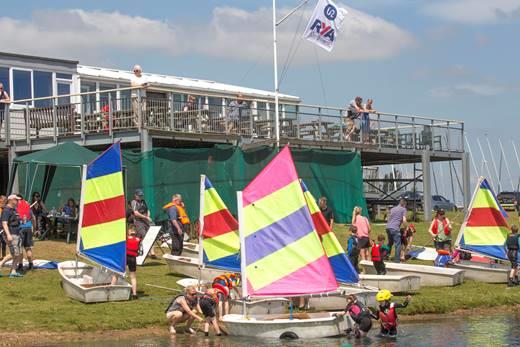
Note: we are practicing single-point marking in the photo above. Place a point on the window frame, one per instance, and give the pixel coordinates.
(12, 95)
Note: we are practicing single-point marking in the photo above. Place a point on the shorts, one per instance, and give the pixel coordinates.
(131, 262)
(363, 243)
(444, 245)
(15, 246)
(512, 254)
(141, 228)
(27, 238)
(365, 324)
(208, 307)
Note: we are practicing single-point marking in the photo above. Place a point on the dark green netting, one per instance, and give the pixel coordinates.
(166, 171)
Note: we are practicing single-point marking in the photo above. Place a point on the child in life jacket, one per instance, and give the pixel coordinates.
(208, 306)
(387, 313)
(378, 254)
(224, 284)
(406, 240)
(361, 316)
(133, 244)
(512, 246)
(352, 248)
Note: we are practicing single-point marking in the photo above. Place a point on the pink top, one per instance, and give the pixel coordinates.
(361, 224)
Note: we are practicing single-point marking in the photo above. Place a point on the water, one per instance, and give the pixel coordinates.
(492, 330)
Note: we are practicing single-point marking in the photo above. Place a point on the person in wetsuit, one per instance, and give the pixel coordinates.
(361, 316)
(512, 246)
(387, 313)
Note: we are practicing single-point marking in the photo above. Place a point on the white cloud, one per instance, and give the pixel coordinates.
(232, 33)
(473, 11)
(475, 89)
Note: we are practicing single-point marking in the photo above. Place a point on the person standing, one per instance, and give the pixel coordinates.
(512, 246)
(326, 211)
(365, 121)
(142, 218)
(396, 217)
(4, 104)
(139, 82)
(440, 230)
(363, 232)
(179, 222)
(3, 243)
(354, 111)
(26, 231)
(352, 248)
(133, 244)
(11, 225)
(235, 111)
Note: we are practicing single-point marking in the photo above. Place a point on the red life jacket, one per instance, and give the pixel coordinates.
(132, 246)
(225, 280)
(388, 318)
(24, 210)
(435, 227)
(222, 289)
(376, 252)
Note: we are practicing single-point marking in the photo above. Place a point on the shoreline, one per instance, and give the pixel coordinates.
(44, 338)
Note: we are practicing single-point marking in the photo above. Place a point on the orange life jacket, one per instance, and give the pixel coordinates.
(435, 227)
(227, 280)
(183, 216)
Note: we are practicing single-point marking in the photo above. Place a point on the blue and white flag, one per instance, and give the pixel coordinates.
(324, 24)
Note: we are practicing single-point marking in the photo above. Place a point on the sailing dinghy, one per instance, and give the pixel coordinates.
(281, 255)
(101, 234)
(484, 232)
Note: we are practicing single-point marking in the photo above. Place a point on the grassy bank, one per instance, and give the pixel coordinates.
(37, 302)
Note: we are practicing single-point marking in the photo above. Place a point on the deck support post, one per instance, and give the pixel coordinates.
(147, 170)
(427, 187)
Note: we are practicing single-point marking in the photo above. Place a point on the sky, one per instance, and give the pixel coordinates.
(454, 59)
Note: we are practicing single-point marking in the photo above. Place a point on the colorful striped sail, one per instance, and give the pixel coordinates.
(102, 225)
(220, 240)
(485, 229)
(282, 252)
(343, 269)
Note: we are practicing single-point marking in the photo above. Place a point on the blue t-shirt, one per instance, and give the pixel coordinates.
(173, 213)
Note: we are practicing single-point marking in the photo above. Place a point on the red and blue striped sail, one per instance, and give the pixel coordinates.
(343, 269)
(220, 240)
(102, 225)
(485, 230)
(283, 252)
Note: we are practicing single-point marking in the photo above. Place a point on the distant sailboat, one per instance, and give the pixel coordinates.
(101, 233)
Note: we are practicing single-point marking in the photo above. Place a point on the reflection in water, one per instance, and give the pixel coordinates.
(490, 330)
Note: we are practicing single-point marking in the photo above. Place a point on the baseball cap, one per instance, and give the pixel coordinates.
(13, 196)
(139, 192)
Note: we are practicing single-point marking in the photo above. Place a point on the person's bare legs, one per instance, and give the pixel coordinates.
(133, 282)
(215, 325)
(175, 318)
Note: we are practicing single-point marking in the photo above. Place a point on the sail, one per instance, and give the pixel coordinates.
(343, 269)
(283, 252)
(102, 225)
(220, 241)
(485, 229)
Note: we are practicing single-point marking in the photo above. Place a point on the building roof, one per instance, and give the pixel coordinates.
(65, 154)
(35, 57)
(181, 83)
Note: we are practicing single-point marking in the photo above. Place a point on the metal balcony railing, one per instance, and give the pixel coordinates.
(111, 111)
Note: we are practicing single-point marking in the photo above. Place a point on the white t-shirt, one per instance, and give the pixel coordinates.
(138, 81)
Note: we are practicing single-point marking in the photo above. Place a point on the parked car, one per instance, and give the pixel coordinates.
(508, 200)
(440, 202)
(410, 197)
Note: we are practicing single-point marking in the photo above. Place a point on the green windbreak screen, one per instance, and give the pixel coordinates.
(166, 171)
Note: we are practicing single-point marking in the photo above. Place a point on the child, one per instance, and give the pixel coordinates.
(208, 306)
(387, 313)
(378, 254)
(512, 246)
(133, 244)
(406, 240)
(352, 248)
(361, 316)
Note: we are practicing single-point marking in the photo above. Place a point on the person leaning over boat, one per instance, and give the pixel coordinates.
(396, 217)
(512, 246)
(183, 309)
(11, 225)
(142, 218)
(361, 316)
(133, 250)
(179, 221)
(224, 284)
(440, 230)
(208, 306)
(363, 232)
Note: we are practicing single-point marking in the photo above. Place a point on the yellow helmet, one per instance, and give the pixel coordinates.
(383, 295)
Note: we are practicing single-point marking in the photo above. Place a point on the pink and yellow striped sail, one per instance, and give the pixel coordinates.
(220, 240)
(283, 252)
(102, 228)
(485, 230)
(343, 269)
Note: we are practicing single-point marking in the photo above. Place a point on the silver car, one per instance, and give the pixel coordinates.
(440, 202)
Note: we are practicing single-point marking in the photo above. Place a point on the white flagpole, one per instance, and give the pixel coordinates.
(201, 223)
(507, 164)
(276, 87)
(485, 163)
(499, 187)
(471, 155)
(517, 159)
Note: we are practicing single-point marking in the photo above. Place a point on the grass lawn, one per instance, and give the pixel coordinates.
(39, 303)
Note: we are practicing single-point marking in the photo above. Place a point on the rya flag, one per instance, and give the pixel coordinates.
(324, 24)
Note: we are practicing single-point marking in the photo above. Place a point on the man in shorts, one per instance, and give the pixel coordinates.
(11, 226)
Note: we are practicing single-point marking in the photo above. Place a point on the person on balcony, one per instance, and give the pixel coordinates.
(365, 121)
(139, 82)
(4, 102)
(354, 111)
(235, 111)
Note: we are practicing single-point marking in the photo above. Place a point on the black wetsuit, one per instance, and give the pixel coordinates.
(512, 249)
(361, 316)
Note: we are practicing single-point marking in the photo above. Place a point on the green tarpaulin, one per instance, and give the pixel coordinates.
(67, 154)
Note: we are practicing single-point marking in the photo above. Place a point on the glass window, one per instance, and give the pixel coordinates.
(125, 99)
(89, 100)
(64, 76)
(290, 111)
(103, 97)
(64, 89)
(42, 88)
(261, 110)
(4, 78)
(22, 85)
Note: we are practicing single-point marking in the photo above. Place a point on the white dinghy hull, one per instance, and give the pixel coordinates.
(189, 267)
(393, 283)
(430, 275)
(302, 326)
(487, 273)
(89, 284)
